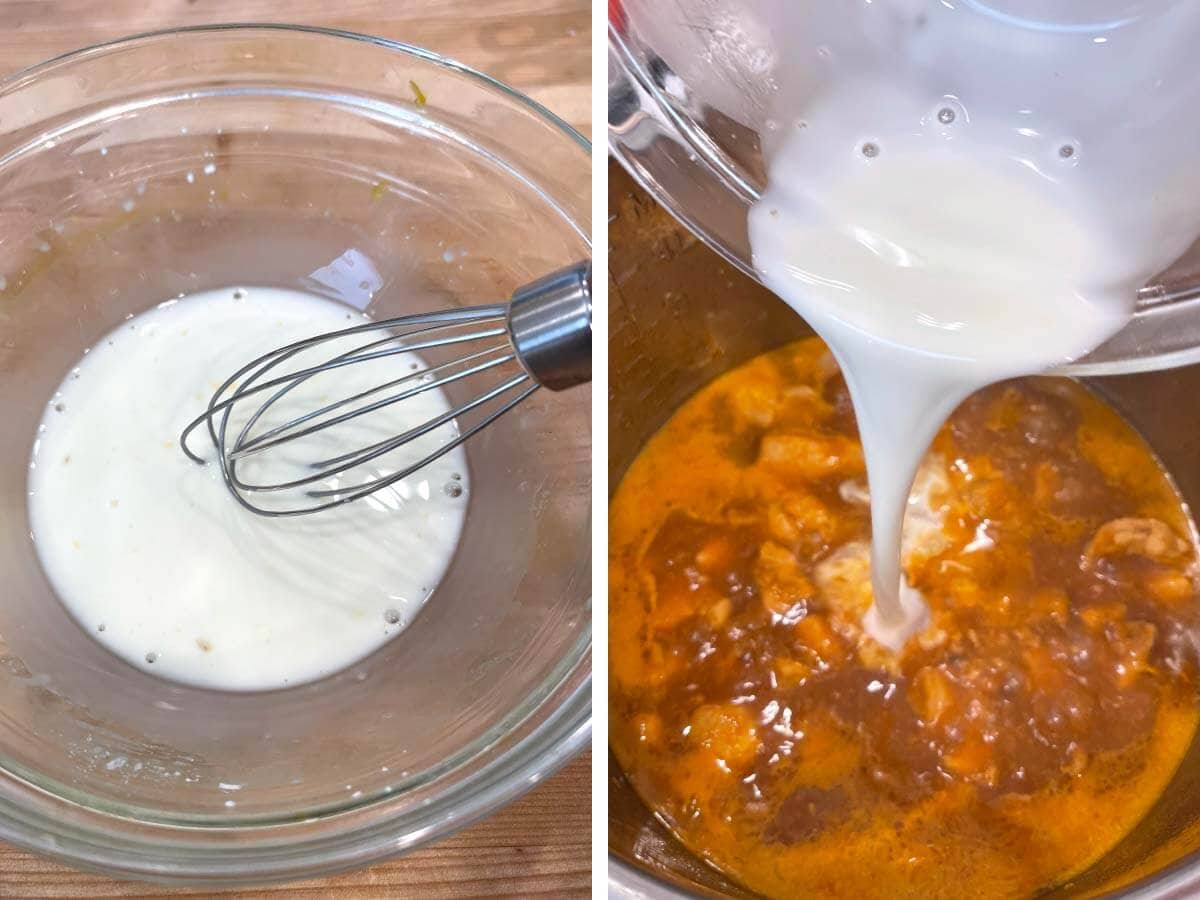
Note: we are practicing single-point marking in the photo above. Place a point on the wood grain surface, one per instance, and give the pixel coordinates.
(542, 47)
(540, 845)
(537, 847)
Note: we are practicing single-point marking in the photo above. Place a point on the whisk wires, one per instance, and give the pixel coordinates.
(476, 340)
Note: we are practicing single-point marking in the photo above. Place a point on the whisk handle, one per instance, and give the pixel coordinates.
(550, 323)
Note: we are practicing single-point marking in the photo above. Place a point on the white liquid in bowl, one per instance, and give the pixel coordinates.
(158, 562)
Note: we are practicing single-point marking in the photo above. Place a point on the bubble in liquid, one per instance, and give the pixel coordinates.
(239, 294)
(1066, 151)
(457, 476)
(870, 150)
(945, 115)
(453, 489)
(152, 657)
(391, 616)
(60, 407)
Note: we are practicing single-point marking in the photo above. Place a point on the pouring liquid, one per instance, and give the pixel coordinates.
(933, 213)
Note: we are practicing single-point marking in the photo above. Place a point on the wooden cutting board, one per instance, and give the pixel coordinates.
(540, 845)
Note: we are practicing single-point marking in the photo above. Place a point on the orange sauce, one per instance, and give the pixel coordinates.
(1012, 742)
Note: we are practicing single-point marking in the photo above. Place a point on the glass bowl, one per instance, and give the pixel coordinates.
(689, 108)
(392, 180)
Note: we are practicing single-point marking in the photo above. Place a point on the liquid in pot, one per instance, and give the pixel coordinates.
(1011, 743)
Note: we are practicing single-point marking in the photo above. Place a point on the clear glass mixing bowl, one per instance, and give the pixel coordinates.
(693, 135)
(392, 180)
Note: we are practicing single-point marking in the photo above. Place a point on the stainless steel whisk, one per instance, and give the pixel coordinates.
(543, 333)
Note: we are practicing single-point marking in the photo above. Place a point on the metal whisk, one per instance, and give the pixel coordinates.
(502, 353)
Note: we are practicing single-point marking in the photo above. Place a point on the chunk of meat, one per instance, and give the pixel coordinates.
(1132, 643)
(755, 404)
(781, 526)
(691, 568)
(790, 673)
(1097, 616)
(815, 634)
(931, 696)
(811, 457)
(726, 732)
(851, 491)
(874, 655)
(1044, 670)
(1150, 538)
(844, 581)
(801, 408)
(1039, 418)
(716, 555)
(926, 512)
(1172, 588)
(973, 761)
(781, 582)
(1049, 603)
(932, 637)
(718, 614)
(804, 522)
(648, 729)
(813, 517)
(672, 602)
(661, 664)
(649, 665)
(827, 367)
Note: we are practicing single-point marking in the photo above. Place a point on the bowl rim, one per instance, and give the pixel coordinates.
(38, 69)
(36, 819)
